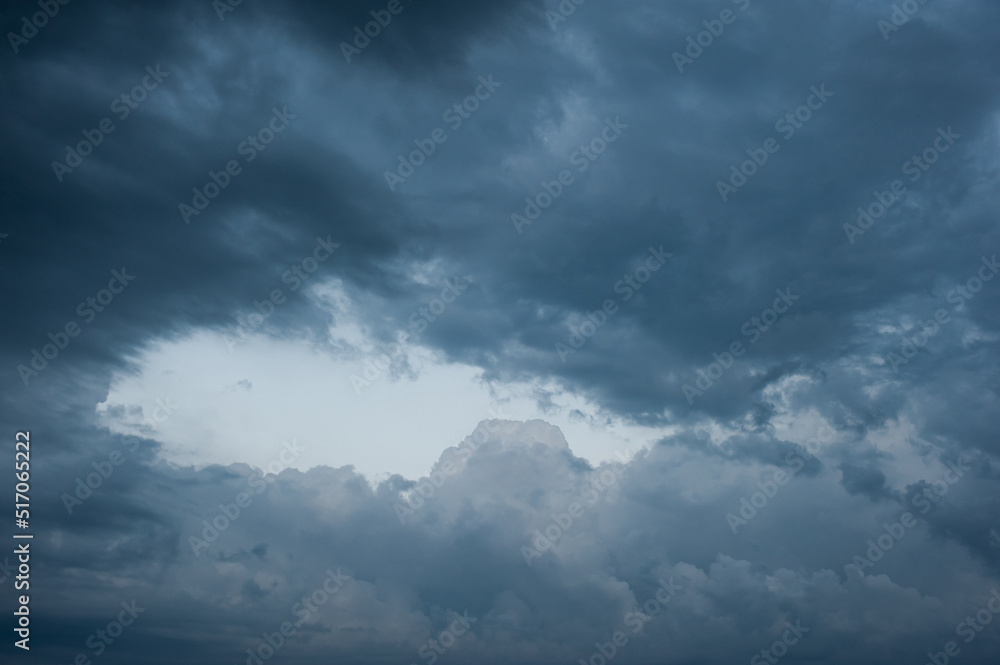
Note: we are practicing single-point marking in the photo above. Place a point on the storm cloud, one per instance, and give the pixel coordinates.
(522, 331)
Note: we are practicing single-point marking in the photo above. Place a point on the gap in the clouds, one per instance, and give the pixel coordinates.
(251, 404)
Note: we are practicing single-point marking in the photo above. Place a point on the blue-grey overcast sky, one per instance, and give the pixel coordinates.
(536, 312)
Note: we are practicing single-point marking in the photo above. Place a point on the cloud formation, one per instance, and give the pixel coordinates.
(756, 244)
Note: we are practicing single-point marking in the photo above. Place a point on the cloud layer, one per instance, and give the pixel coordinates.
(755, 243)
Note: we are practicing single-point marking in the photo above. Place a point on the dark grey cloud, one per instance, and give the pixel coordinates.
(826, 359)
(462, 550)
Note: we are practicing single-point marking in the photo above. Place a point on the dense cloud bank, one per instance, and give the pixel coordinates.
(768, 230)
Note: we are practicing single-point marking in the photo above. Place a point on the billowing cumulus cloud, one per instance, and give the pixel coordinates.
(523, 331)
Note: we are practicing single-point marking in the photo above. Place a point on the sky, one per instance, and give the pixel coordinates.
(524, 331)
